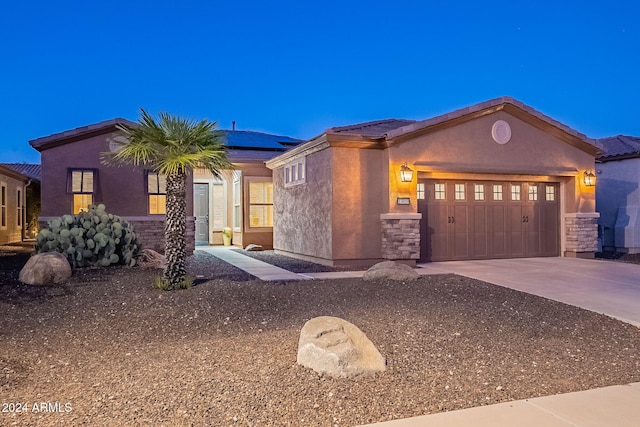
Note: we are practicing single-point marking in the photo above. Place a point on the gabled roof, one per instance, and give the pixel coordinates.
(374, 129)
(79, 133)
(30, 170)
(619, 147)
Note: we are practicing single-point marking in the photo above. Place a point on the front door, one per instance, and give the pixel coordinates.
(201, 212)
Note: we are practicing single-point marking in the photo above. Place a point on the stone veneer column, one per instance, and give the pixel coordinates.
(581, 234)
(401, 236)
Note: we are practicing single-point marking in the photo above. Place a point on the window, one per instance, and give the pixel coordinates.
(533, 192)
(459, 191)
(260, 204)
(20, 207)
(478, 191)
(420, 193)
(550, 193)
(3, 205)
(218, 206)
(237, 207)
(497, 191)
(295, 172)
(439, 193)
(81, 184)
(157, 191)
(515, 192)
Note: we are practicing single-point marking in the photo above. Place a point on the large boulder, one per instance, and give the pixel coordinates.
(333, 346)
(390, 270)
(46, 269)
(148, 258)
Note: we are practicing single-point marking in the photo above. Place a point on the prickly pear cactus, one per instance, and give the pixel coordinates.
(92, 238)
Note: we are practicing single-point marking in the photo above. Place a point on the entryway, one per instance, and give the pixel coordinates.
(463, 220)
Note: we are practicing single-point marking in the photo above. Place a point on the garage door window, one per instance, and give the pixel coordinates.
(515, 192)
(478, 191)
(420, 191)
(439, 192)
(459, 191)
(550, 193)
(497, 192)
(533, 192)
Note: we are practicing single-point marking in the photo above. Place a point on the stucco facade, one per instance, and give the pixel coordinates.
(353, 180)
(618, 194)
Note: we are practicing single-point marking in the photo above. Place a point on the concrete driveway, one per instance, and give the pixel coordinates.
(608, 287)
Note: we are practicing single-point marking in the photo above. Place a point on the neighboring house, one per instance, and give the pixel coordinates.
(73, 177)
(618, 193)
(494, 180)
(16, 180)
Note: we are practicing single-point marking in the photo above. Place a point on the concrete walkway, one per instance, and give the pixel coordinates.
(605, 287)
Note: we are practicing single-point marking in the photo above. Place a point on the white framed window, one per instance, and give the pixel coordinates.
(478, 191)
(439, 192)
(20, 207)
(237, 203)
(497, 191)
(533, 192)
(459, 192)
(260, 204)
(80, 182)
(3, 205)
(515, 192)
(295, 172)
(420, 191)
(218, 221)
(157, 192)
(550, 193)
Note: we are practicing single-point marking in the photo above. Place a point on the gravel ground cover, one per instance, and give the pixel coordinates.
(107, 348)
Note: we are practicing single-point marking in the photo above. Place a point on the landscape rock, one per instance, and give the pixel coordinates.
(46, 269)
(253, 248)
(333, 346)
(148, 258)
(390, 270)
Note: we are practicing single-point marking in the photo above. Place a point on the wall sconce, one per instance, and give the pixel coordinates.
(406, 173)
(589, 179)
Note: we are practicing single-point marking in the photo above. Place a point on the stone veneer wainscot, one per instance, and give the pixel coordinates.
(401, 236)
(581, 234)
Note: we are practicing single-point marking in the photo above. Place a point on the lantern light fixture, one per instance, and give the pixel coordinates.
(589, 179)
(406, 173)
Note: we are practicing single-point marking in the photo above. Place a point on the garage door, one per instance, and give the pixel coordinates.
(487, 219)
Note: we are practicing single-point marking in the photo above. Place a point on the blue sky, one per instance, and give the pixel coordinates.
(298, 67)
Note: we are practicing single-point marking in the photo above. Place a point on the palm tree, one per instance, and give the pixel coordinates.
(172, 147)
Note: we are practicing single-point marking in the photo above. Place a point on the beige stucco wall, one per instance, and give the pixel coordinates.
(303, 213)
(469, 148)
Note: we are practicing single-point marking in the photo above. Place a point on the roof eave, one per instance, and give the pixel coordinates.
(66, 137)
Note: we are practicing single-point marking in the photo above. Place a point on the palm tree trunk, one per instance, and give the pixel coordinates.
(175, 230)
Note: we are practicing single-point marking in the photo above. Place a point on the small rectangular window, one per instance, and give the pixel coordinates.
(439, 192)
(295, 172)
(497, 192)
(478, 191)
(237, 207)
(533, 192)
(459, 192)
(261, 204)
(157, 191)
(550, 193)
(81, 184)
(287, 176)
(20, 212)
(420, 192)
(3, 205)
(515, 192)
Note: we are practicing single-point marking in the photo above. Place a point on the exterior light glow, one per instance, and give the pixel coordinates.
(406, 173)
(589, 179)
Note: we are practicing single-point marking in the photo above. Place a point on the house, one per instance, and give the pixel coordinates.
(618, 193)
(73, 177)
(494, 180)
(19, 199)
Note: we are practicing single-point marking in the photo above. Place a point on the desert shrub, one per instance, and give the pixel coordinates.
(91, 238)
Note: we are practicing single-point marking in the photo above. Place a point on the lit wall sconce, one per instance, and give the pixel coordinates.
(589, 179)
(406, 173)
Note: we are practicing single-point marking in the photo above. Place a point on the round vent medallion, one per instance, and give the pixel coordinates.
(501, 132)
